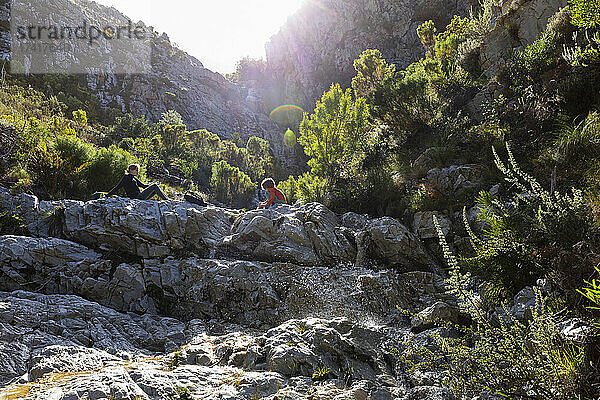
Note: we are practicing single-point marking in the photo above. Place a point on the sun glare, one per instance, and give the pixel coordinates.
(218, 33)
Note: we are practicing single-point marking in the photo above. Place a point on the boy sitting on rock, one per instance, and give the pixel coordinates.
(276, 195)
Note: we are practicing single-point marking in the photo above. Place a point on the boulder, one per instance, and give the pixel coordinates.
(146, 228)
(388, 241)
(67, 359)
(424, 227)
(301, 348)
(455, 181)
(308, 235)
(439, 313)
(423, 163)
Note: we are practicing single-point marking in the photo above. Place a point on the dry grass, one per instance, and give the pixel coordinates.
(56, 379)
(14, 392)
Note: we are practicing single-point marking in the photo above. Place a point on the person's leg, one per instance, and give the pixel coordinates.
(152, 190)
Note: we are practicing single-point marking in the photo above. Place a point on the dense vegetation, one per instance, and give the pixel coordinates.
(57, 154)
(365, 149)
(370, 149)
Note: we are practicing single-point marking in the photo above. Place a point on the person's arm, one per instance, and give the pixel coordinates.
(140, 184)
(116, 188)
(271, 199)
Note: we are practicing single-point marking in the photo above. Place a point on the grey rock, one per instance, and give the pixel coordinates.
(251, 293)
(455, 181)
(303, 347)
(424, 227)
(388, 241)
(516, 28)
(423, 163)
(576, 330)
(67, 359)
(354, 221)
(309, 235)
(439, 313)
(146, 228)
(524, 302)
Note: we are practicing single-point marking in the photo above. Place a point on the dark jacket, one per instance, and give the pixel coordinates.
(131, 184)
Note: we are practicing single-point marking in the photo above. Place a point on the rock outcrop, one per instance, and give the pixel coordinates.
(318, 44)
(172, 79)
(520, 24)
(140, 299)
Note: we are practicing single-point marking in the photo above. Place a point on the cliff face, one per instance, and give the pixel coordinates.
(178, 81)
(175, 80)
(317, 45)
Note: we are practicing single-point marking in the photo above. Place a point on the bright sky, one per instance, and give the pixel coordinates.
(216, 32)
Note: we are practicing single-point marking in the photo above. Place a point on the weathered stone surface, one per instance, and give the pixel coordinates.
(423, 163)
(424, 227)
(455, 181)
(246, 292)
(388, 241)
(524, 302)
(309, 235)
(145, 228)
(200, 363)
(519, 26)
(67, 359)
(30, 322)
(438, 313)
(303, 347)
(319, 43)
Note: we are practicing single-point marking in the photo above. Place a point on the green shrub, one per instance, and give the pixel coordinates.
(371, 69)
(580, 143)
(333, 135)
(289, 187)
(74, 151)
(80, 117)
(507, 358)
(426, 33)
(560, 24)
(527, 65)
(12, 224)
(481, 21)
(585, 13)
(173, 140)
(521, 239)
(170, 117)
(231, 186)
(127, 126)
(592, 291)
(312, 188)
(468, 53)
(404, 102)
(107, 168)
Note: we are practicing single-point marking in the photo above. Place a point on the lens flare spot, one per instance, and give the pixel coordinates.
(289, 138)
(287, 114)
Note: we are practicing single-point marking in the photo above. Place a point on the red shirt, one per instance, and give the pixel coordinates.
(275, 193)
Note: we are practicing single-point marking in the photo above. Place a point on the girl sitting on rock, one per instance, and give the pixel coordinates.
(276, 195)
(131, 184)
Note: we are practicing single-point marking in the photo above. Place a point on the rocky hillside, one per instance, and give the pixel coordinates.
(176, 80)
(318, 44)
(120, 298)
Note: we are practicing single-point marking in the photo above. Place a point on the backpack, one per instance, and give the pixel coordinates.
(194, 199)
